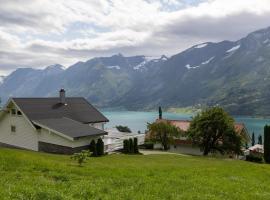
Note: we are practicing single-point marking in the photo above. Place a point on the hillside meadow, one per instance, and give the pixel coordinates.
(32, 175)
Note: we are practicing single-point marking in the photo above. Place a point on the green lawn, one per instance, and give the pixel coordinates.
(30, 175)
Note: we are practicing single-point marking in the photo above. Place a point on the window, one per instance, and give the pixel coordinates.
(13, 111)
(13, 128)
(19, 113)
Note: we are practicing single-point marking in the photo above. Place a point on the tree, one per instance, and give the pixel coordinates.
(160, 112)
(100, 147)
(253, 139)
(93, 148)
(163, 132)
(81, 157)
(213, 130)
(135, 141)
(267, 144)
(124, 129)
(260, 139)
(131, 146)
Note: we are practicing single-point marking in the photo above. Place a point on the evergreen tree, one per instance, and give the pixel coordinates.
(100, 147)
(131, 146)
(267, 144)
(253, 139)
(260, 139)
(126, 146)
(160, 112)
(93, 148)
(136, 149)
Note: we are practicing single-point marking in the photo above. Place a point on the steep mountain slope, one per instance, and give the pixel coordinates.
(102, 80)
(232, 74)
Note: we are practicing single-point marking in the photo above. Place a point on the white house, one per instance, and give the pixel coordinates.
(57, 125)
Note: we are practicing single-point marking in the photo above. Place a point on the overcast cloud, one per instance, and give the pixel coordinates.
(38, 33)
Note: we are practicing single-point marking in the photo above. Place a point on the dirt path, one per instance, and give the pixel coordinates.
(157, 152)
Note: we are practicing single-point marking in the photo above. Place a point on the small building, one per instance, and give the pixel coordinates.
(56, 125)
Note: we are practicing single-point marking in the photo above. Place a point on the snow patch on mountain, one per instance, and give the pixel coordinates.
(189, 67)
(114, 67)
(139, 66)
(208, 61)
(201, 46)
(266, 41)
(233, 49)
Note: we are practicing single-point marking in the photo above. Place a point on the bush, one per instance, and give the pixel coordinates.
(93, 148)
(131, 146)
(124, 129)
(81, 157)
(126, 146)
(135, 141)
(147, 145)
(100, 147)
(253, 158)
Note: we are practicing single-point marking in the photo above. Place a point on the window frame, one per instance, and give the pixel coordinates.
(13, 111)
(13, 128)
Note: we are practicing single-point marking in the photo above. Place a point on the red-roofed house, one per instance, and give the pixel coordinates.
(184, 145)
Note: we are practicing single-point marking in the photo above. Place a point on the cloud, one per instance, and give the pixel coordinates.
(38, 33)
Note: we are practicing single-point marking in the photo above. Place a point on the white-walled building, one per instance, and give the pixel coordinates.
(57, 125)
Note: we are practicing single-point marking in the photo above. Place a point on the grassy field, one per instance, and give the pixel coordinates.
(30, 175)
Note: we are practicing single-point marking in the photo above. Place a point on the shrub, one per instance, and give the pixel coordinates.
(267, 144)
(124, 129)
(100, 147)
(252, 158)
(126, 146)
(81, 157)
(131, 146)
(147, 145)
(136, 149)
(93, 148)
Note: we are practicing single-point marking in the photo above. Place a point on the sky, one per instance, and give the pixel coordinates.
(38, 33)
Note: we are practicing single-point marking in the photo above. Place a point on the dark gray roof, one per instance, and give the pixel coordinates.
(76, 108)
(69, 127)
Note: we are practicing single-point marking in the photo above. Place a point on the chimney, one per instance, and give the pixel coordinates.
(62, 95)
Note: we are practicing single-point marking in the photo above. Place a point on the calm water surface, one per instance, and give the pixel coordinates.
(137, 121)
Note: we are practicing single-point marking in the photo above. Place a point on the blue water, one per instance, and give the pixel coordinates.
(137, 121)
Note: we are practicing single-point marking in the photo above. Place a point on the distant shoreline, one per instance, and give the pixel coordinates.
(180, 110)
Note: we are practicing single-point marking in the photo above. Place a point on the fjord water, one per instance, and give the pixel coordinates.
(137, 121)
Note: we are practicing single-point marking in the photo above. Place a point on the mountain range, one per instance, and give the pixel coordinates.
(232, 74)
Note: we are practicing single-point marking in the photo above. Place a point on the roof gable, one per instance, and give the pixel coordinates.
(184, 126)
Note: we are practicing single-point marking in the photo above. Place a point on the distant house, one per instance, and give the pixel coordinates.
(57, 125)
(184, 145)
(256, 150)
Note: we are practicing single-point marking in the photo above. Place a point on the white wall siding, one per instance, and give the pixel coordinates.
(24, 137)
